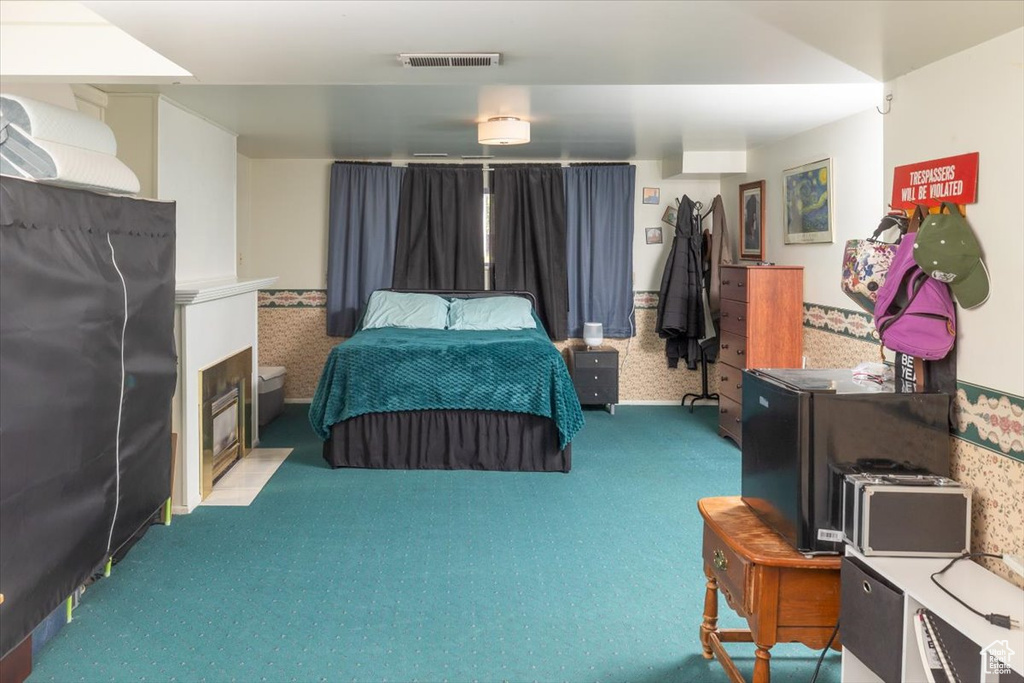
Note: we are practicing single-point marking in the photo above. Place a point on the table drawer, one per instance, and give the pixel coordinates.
(734, 283)
(733, 350)
(730, 415)
(595, 359)
(730, 382)
(734, 316)
(731, 571)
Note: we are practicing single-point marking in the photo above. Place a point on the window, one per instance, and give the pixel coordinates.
(488, 258)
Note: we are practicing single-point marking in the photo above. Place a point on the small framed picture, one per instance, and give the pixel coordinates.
(752, 221)
(670, 215)
(653, 235)
(807, 203)
(652, 195)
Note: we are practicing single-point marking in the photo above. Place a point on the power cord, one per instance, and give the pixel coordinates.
(1001, 620)
(821, 657)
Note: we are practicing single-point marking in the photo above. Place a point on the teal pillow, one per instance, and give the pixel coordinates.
(405, 309)
(491, 313)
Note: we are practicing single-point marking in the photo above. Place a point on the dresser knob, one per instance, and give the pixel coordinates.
(739, 385)
(725, 346)
(737, 419)
(595, 361)
(739, 352)
(725, 282)
(741, 318)
(725, 314)
(595, 376)
(741, 284)
(723, 411)
(722, 378)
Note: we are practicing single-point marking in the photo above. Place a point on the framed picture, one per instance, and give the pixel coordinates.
(670, 215)
(653, 235)
(752, 221)
(652, 195)
(807, 203)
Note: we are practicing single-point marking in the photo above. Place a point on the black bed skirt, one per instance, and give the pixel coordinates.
(448, 440)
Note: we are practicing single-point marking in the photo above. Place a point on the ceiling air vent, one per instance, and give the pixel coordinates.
(449, 59)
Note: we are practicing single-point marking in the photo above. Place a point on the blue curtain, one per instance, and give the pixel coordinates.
(360, 240)
(599, 245)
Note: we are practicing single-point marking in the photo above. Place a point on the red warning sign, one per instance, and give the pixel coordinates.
(953, 179)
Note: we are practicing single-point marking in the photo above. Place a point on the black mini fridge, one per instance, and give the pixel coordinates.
(805, 430)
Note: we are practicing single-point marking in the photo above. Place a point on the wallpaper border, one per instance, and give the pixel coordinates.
(317, 298)
(986, 417)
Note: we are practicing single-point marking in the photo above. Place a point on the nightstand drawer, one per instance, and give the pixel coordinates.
(586, 378)
(591, 395)
(595, 359)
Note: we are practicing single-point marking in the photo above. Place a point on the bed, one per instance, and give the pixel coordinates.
(428, 398)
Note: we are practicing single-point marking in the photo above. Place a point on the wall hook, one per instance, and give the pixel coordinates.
(888, 105)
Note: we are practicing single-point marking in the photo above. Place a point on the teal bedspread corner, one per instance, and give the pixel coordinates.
(391, 369)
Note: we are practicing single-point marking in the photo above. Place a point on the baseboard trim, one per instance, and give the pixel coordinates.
(298, 400)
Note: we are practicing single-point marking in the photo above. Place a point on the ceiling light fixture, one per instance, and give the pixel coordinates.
(503, 130)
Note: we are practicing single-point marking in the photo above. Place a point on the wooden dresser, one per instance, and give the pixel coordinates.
(762, 327)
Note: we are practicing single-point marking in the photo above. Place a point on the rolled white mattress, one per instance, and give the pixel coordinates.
(45, 121)
(61, 162)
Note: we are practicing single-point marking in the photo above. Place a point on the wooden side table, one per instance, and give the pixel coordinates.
(784, 596)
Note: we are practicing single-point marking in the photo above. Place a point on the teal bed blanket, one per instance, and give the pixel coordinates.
(395, 369)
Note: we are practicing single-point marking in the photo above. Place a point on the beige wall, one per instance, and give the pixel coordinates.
(855, 146)
(985, 114)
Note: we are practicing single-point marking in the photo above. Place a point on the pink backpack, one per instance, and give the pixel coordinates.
(914, 313)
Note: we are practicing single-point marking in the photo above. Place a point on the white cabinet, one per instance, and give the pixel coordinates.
(972, 583)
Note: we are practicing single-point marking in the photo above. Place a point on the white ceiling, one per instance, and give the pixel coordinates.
(599, 80)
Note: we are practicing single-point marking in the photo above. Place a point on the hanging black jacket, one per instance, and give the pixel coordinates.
(680, 301)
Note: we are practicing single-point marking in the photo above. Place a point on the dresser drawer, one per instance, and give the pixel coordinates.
(730, 416)
(731, 571)
(734, 283)
(730, 382)
(733, 350)
(595, 359)
(734, 316)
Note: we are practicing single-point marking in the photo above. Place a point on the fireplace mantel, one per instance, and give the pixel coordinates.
(199, 291)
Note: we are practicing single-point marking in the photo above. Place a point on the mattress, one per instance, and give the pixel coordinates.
(60, 146)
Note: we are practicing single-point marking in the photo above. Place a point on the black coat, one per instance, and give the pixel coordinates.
(680, 301)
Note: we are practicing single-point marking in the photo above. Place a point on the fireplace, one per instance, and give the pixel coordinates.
(225, 414)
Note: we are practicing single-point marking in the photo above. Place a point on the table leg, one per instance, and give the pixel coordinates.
(762, 665)
(710, 623)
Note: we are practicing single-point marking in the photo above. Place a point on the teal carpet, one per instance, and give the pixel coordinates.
(362, 575)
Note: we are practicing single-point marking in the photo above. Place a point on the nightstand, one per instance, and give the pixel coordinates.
(595, 373)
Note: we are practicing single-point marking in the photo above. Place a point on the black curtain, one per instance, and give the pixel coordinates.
(360, 239)
(440, 241)
(528, 210)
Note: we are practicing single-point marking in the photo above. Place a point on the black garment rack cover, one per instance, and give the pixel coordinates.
(79, 272)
